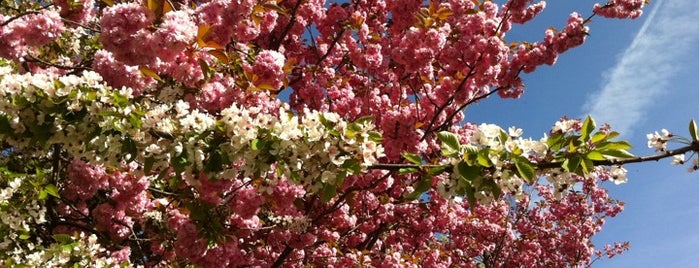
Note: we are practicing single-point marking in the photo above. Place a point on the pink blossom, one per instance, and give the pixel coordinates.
(268, 67)
(620, 9)
(173, 35)
(84, 181)
(246, 202)
(29, 30)
(121, 256)
(112, 221)
(125, 33)
(117, 74)
(521, 13)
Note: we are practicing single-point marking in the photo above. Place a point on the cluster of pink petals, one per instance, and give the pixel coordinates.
(123, 196)
(521, 12)
(30, 30)
(268, 67)
(117, 74)
(621, 9)
(84, 181)
(127, 32)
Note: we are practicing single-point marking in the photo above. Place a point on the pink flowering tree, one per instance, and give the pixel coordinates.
(153, 133)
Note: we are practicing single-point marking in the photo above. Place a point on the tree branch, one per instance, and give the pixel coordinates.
(694, 146)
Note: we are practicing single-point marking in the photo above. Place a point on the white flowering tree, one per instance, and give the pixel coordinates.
(151, 133)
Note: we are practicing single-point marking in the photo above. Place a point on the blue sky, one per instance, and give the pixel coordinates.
(640, 76)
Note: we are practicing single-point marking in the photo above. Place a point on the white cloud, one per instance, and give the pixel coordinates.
(647, 66)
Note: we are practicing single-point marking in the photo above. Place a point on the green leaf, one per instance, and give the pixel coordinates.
(365, 120)
(413, 158)
(587, 128)
(340, 178)
(258, 144)
(612, 135)
(43, 194)
(52, 190)
(525, 169)
(329, 191)
(434, 171)
(470, 195)
(135, 120)
(353, 129)
(40, 134)
(504, 137)
(422, 185)
(618, 153)
(555, 142)
(128, 146)
(215, 161)
(483, 158)
(352, 166)
(468, 172)
(295, 176)
(693, 130)
(20, 101)
(598, 136)
(404, 171)
(614, 145)
(587, 166)
(470, 149)
(493, 187)
(5, 127)
(180, 162)
(120, 100)
(148, 165)
(450, 140)
(63, 238)
(375, 136)
(595, 155)
(573, 144)
(572, 164)
(40, 175)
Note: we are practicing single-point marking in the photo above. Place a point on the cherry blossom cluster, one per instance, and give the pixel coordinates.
(21, 35)
(660, 141)
(620, 8)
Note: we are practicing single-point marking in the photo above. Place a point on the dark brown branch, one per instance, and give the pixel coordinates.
(24, 14)
(441, 108)
(17, 17)
(31, 58)
(81, 25)
(292, 20)
(280, 260)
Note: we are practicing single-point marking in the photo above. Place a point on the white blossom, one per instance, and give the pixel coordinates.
(658, 141)
(678, 159)
(618, 175)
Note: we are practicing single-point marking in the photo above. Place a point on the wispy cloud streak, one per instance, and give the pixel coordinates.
(646, 68)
